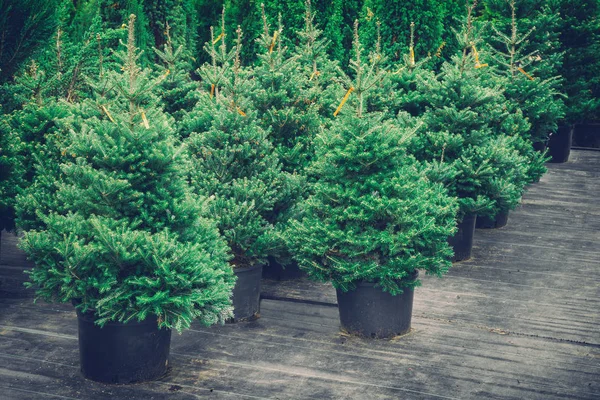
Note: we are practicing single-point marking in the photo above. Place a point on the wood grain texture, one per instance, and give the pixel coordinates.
(520, 320)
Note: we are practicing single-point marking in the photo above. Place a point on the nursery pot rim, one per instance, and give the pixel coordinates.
(411, 277)
(244, 269)
(90, 316)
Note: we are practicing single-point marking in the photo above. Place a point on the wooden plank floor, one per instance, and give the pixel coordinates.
(520, 320)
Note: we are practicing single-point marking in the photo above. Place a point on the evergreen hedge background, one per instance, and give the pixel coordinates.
(28, 29)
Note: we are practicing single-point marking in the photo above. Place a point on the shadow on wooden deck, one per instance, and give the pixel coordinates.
(521, 320)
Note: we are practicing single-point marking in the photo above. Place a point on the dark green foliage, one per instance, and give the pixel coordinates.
(525, 70)
(130, 239)
(246, 15)
(114, 14)
(373, 215)
(25, 28)
(42, 132)
(316, 66)
(292, 13)
(283, 101)
(396, 16)
(178, 92)
(233, 159)
(337, 18)
(580, 39)
(11, 172)
(541, 23)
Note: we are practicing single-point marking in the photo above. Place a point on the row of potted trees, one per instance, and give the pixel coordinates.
(147, 219)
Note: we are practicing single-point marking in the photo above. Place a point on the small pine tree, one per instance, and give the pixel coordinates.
(233, 159)
(130, 241)
(397, 94)
(45, 124)
(372, 215)
(214, 74)
(539, 98)
(580, 42)
(282, 101)
(465, 143)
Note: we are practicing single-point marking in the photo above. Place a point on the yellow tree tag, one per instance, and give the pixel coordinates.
(477, 63)
(521, 70)
(273, 41)
(218, 38)
(145, 121)
(107, 114)
(343, 101)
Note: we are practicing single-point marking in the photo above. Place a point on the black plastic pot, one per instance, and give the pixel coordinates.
(123, 353)
(246, 293)
(539, 146)
(368, 311)
(499, 221)
(462, 241)
(279, 272)
(587, 135)
(559, 145)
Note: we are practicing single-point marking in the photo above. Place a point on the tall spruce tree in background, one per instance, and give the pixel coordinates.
(395, 17)
(580, 41)
(372, 215)
(234, 161)
(316, 65)
(522, 70)
(541, 23)
(130, 240)
(178, 92)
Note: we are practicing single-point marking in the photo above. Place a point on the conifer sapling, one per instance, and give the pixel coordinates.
(234, 161)
(131, 241)
(372, 215)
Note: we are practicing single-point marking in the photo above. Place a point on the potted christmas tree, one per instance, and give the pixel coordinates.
(373, 219)
(288, 111)
(464, 143)
(129, 246)
(234, 161)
